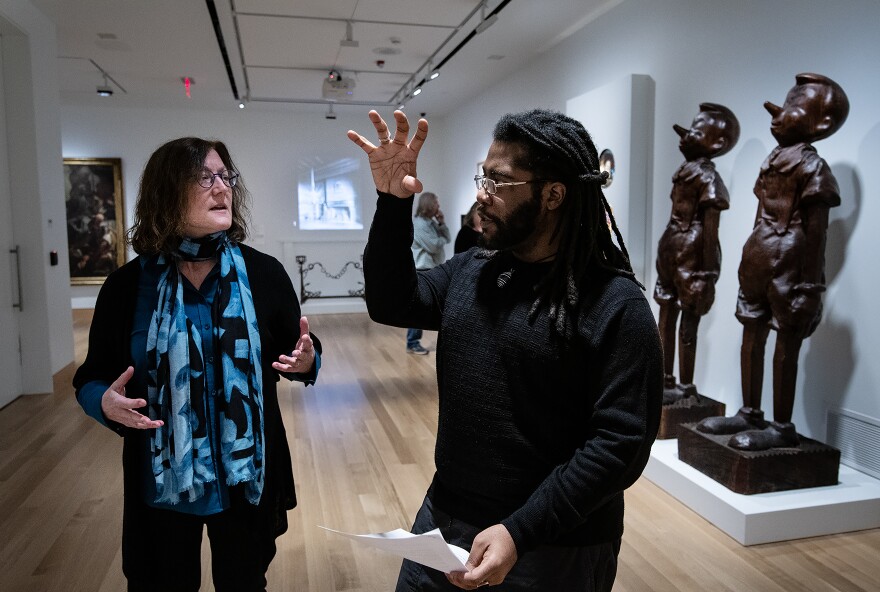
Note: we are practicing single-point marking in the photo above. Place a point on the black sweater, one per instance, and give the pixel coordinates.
(278, 313)
(538, 434)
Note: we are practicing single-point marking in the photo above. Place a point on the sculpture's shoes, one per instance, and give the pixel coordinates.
(680, 393)
(745, 419)
(775, 435)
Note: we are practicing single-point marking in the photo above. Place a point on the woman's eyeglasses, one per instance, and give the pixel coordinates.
(206, 178)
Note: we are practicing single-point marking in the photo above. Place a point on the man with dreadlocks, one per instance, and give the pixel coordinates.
(549, 363)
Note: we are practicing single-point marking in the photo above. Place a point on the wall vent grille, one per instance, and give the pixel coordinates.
(857, 436)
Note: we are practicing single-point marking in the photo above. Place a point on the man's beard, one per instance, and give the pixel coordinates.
(516, 228)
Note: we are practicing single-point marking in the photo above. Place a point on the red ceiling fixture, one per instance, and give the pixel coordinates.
(187, 84)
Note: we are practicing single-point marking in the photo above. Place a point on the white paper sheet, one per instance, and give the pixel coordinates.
(428, 549)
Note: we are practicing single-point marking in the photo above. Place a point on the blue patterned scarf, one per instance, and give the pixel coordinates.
(176, 380)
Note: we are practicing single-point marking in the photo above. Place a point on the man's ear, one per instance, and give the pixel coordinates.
(554, 194)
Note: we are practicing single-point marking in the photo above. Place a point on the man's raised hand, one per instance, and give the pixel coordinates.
(393, 160)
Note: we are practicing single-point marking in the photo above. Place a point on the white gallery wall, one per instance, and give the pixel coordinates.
(739, 54)
(267, 148)
(42, 327)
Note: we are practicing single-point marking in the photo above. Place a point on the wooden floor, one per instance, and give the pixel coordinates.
(362, 445)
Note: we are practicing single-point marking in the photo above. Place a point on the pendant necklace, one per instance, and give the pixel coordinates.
(505, 276)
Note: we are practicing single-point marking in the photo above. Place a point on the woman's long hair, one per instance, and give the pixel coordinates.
(163, 195)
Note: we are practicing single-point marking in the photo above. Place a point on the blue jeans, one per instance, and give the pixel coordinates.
(413, 336)
(570, 569)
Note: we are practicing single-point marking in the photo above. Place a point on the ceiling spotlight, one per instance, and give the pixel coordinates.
(486, 22)
(241, 105)
(348, 41)
(401, 106)
(330, 114)
(431, 71)
(417, 91)
(105, 90)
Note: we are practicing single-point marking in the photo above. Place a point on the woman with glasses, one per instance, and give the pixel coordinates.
(186, 345)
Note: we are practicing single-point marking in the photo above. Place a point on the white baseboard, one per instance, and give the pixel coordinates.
(83, 301)
(852, 504)
(313, 306)
(334, 306)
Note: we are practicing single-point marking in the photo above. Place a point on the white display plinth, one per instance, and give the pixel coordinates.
(852, 504)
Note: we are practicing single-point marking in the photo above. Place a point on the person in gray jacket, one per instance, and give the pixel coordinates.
(430, 236)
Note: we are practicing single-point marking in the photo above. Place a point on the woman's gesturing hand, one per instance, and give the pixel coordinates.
(119, 408)
(302, 358)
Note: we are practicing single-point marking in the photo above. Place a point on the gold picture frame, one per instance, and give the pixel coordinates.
(95, 218)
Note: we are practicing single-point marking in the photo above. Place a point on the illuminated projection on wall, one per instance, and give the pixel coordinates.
(327, 194)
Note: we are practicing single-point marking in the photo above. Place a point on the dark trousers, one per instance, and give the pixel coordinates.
(413, 337)
(572, 569)
(161, 549)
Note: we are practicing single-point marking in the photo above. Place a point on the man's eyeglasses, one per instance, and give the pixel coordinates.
(206, 178)
(491, 187)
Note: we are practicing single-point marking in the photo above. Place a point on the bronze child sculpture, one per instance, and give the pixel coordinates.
(782, 272)
(689, 255)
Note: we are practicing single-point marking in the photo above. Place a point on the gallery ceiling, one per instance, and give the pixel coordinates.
(280, 53)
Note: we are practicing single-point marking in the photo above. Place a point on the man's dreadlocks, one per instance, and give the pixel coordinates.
(558, 147)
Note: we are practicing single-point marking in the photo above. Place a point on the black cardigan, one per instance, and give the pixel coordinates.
(278, 314)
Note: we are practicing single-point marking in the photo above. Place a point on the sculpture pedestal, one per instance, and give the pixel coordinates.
(852, 504)
(812, 464)
(687, 410)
